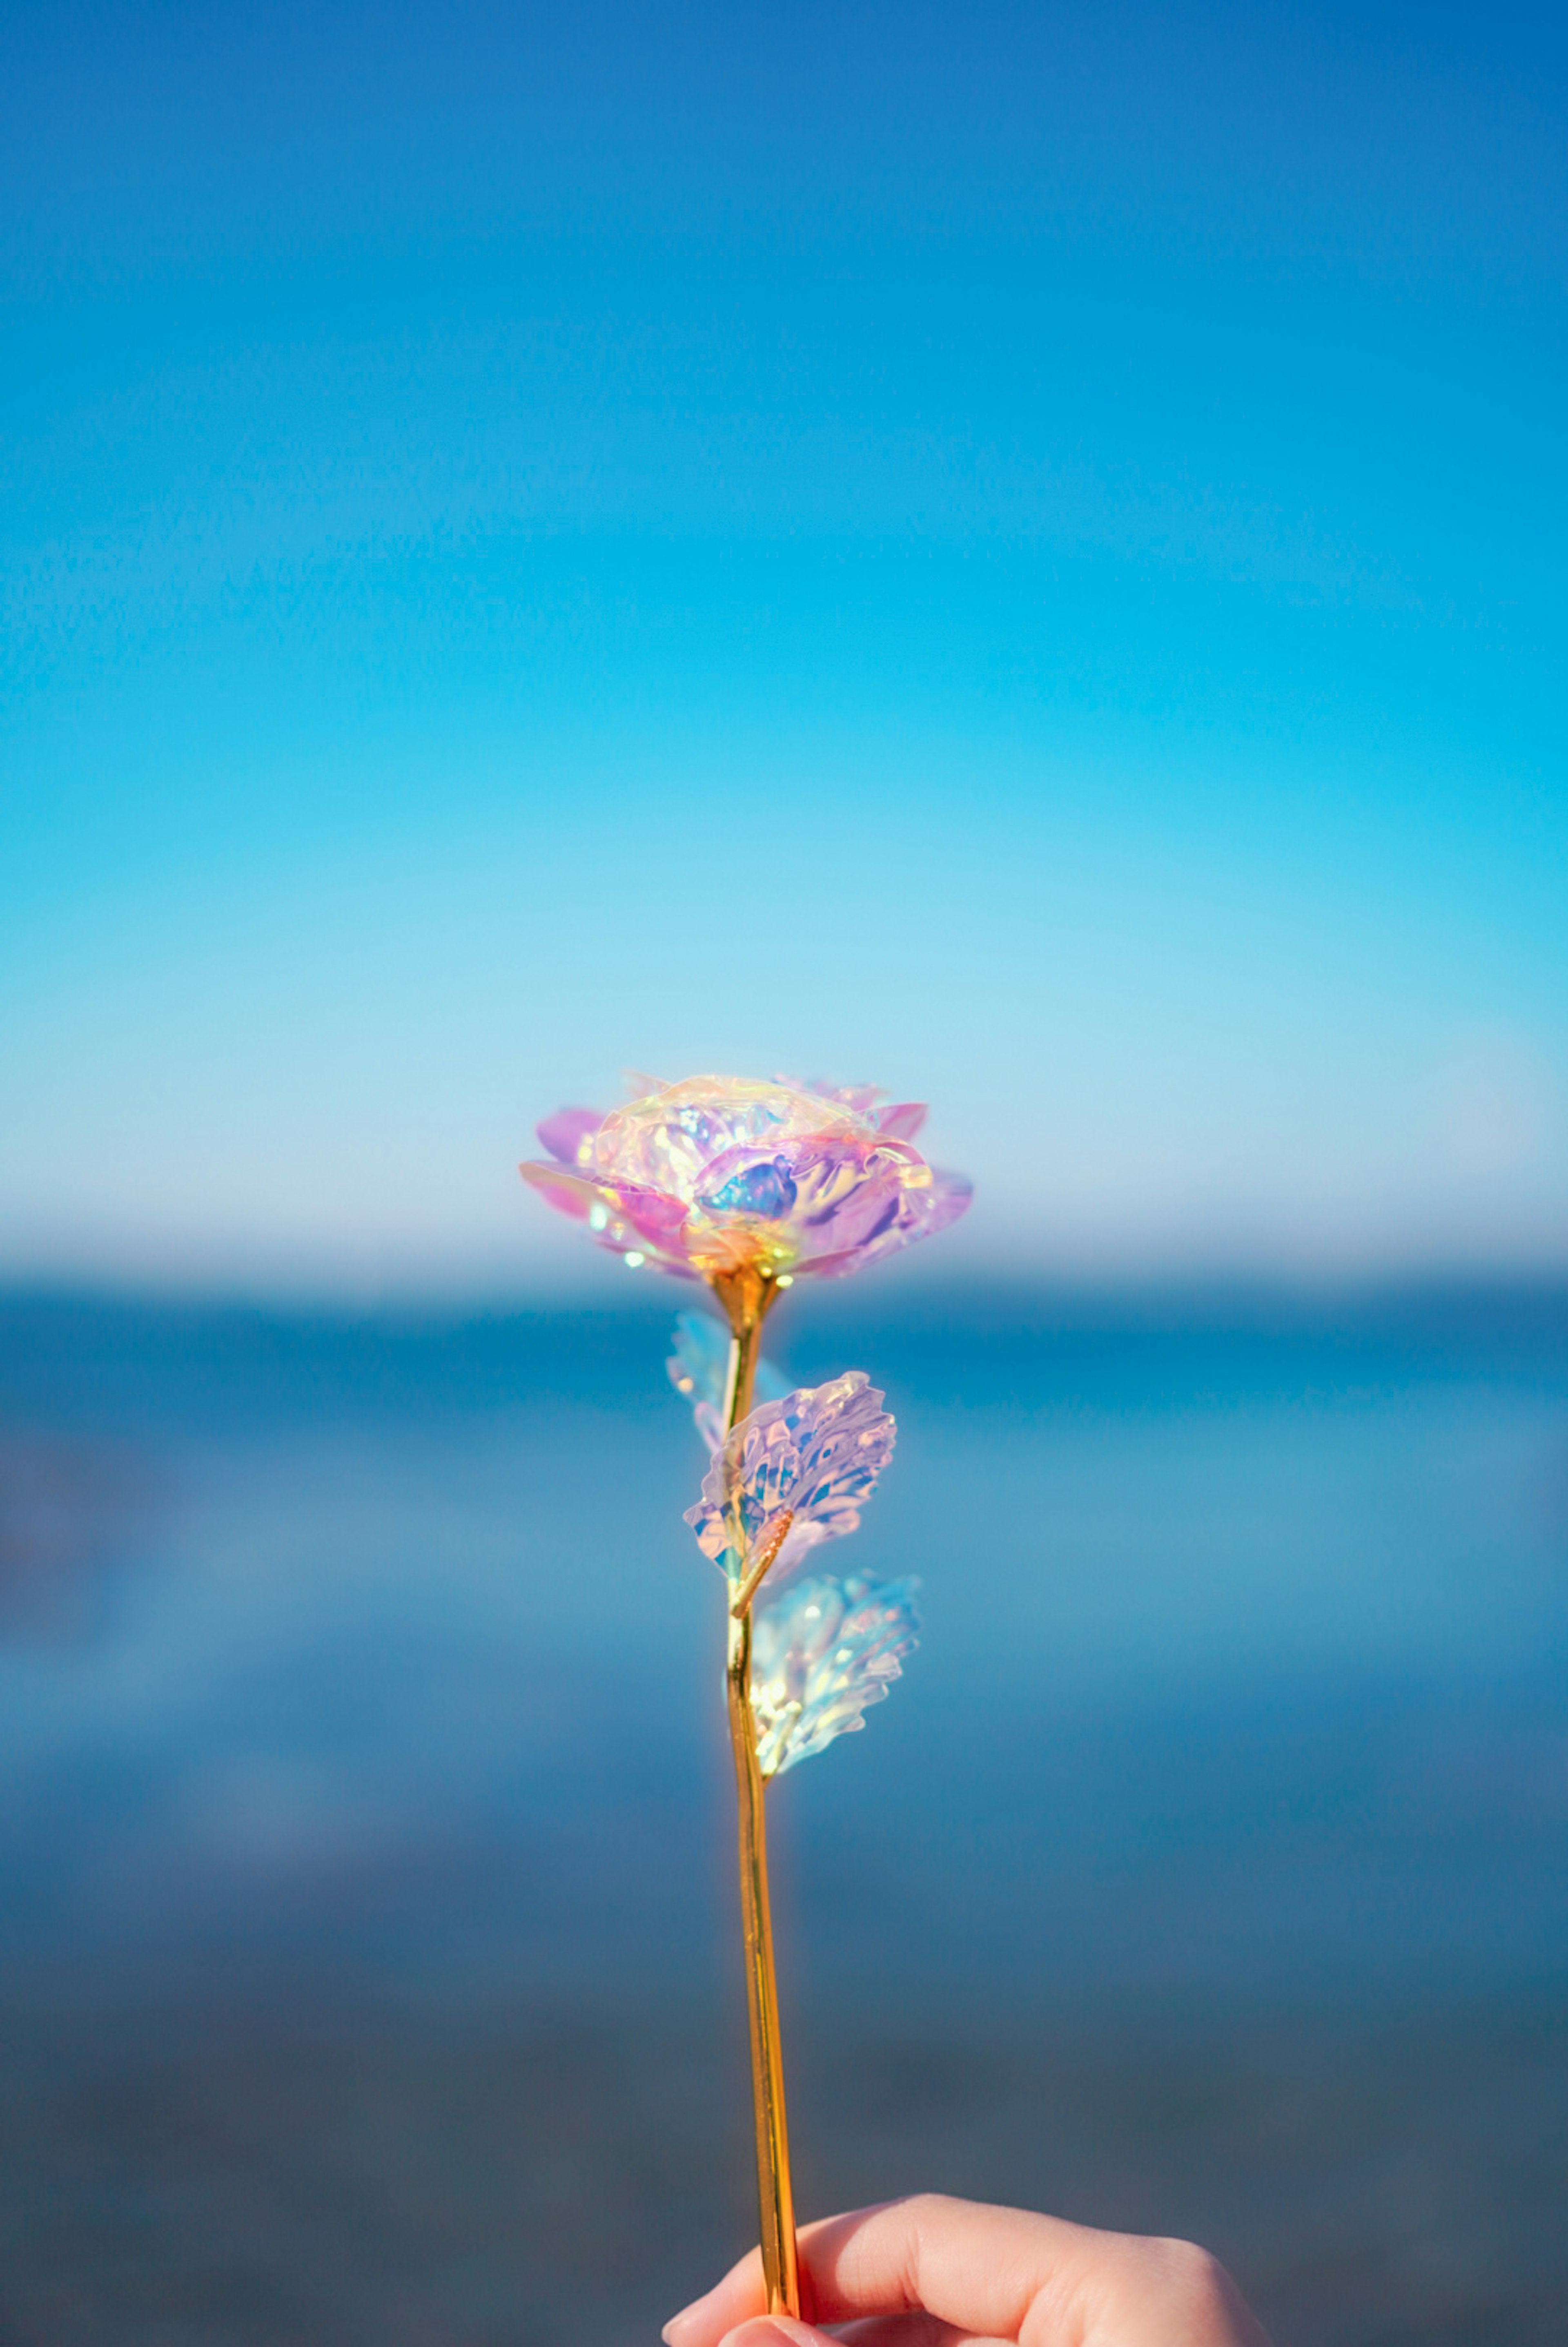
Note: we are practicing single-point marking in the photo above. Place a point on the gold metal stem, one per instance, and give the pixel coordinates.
(762, 1564)
(775, 2197)
(747, 1298)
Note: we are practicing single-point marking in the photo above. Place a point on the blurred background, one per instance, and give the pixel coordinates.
(1010, 553)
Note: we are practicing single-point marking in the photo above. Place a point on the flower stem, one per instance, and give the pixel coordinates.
(762, 1564)
(746, 1302)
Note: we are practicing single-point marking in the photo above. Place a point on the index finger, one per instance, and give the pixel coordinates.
(980, 2268)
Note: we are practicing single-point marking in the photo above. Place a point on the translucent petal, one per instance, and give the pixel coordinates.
(903, 1119)
(861, 1098)
(918, 1215)
(670, 1139)
(619, 1215)
(821, 1657)
(568, 1192)
(568, 1135)
(817, 1455)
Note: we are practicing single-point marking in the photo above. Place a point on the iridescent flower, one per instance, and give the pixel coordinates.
(699, 1368)
(821, 1657)
(793, 1473)
(721, 1175)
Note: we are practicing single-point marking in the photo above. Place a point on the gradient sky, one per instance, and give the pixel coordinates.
(1013, 553)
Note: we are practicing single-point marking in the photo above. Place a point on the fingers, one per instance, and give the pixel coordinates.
(910, 2331)
(883, 2330)
(775, 2331)
(933, 2273)
(976, 2269)
(709, 2320)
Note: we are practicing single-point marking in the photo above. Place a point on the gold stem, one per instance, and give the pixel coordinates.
(775, 2198)
(762, 1564)
(746, 1301)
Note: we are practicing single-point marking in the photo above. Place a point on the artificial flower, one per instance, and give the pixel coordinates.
(720, 1176)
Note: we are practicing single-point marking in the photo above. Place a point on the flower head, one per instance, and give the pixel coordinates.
(821, 1657)
(794, 1472)
(721, 1174)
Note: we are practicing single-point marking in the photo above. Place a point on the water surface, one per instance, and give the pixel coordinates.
(369, 1935)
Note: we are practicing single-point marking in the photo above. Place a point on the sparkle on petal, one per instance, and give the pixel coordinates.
(817, 1452)
(821, 1657)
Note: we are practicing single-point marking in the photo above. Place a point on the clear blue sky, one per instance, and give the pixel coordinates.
(1014, 552)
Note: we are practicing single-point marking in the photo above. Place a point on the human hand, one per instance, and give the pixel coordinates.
(935, 2273)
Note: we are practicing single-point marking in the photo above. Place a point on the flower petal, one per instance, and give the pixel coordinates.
(622, 1217)
(669, 1137)
(921, 1213)
(569, 1193)
(861, 1098)
(950, 1196)
(568, 1134)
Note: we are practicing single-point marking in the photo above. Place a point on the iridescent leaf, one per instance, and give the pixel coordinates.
(814, 1457)
(821, 1657)
(699, 1368)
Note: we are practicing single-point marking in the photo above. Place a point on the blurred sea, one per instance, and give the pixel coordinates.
(369, 1965)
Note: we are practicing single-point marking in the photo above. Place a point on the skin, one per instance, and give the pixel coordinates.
(935, 2273)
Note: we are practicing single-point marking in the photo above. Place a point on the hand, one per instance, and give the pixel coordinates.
(933, 2273)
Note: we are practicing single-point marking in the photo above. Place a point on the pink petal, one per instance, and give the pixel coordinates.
(859, 1098)
(568, 1192)
(564, 1133)
(653, 1213)
(626, 1218)
(950, 1195)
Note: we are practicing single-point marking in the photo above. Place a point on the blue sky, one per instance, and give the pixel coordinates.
(1013, 553)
